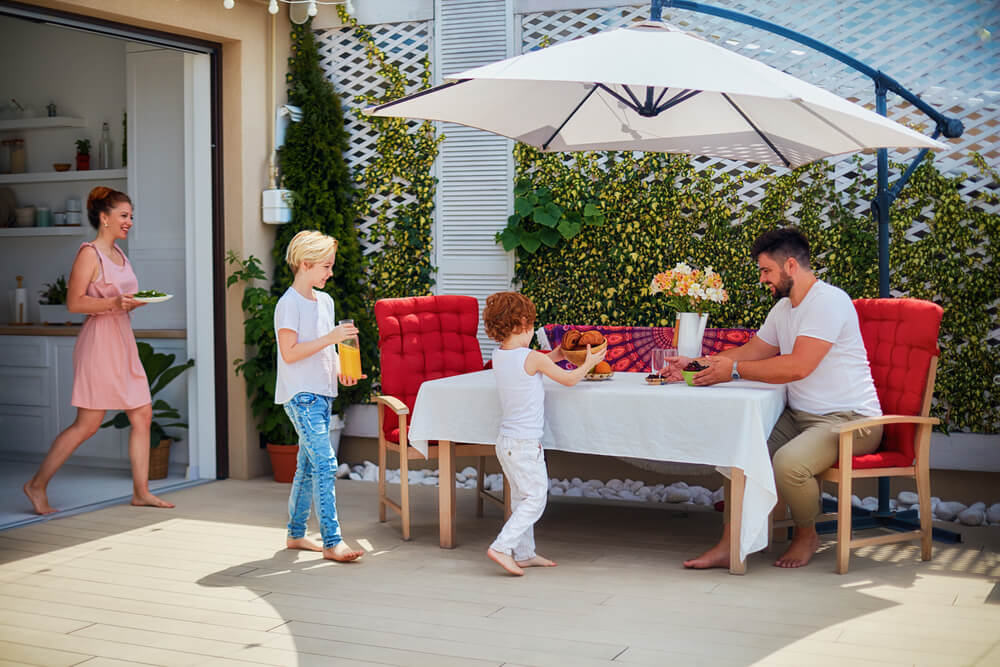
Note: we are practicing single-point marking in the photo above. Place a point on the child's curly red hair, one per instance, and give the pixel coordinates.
(507, 313)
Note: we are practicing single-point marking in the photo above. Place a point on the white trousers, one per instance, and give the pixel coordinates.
(523, 462)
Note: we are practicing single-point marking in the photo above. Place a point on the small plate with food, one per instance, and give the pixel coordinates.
(151, 296)
(602, 371)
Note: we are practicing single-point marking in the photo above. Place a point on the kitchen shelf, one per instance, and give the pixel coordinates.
(41, 123)
(62, 176)
(62, 230)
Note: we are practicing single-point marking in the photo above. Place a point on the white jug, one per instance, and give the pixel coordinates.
(690, 331)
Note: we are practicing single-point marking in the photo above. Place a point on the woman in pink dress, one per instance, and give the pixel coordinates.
(107, 372)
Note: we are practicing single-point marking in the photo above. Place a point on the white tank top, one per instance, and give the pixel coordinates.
(522, 398)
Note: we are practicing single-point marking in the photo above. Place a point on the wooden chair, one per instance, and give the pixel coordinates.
(423, 338)
(901, 339)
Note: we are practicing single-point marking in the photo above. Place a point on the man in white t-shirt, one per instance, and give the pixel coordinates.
(811, 342)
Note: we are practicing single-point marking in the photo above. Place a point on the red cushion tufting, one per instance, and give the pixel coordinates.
(424, 338)
(901, 337)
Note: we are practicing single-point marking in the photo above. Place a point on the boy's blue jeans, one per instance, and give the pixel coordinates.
(316, 469)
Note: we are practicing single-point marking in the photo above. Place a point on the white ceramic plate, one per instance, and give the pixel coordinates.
(153, 299)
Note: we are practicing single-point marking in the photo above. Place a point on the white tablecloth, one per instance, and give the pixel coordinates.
(723, 425)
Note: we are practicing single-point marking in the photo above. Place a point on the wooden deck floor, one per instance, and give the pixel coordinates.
(209, 584)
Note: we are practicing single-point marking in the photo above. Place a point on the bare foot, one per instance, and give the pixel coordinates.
(302, 543)
(39, 499)
(342, 553)
(717, 556)
(536, 561)
(800, 551)
(149, 500)
(506, 561)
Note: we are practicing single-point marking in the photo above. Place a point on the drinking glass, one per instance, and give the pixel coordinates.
(658, 361)
(350, 355)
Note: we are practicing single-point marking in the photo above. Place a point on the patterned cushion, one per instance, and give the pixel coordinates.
(424, 338)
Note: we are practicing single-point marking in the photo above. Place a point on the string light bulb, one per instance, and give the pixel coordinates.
(312, 11)
(228, 4)
(272, 7)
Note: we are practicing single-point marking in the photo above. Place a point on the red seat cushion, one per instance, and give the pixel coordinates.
(424, 338)
(901, 338)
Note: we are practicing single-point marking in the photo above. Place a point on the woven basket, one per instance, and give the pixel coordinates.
(577, 357)
(159, 459)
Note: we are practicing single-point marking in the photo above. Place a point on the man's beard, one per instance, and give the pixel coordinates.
(783, 287)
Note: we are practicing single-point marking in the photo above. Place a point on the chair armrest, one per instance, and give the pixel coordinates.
(884, 419)
(393, 404)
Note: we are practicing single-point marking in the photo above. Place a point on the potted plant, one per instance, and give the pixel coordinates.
(82, 154)
(260, 368)
(159, 372)
(52, 304)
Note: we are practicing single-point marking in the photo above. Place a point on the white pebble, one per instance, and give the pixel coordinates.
(608, 492)
(972, 517)
(556, 491)
(575, 492)
(590, 493)
(469, 471)
(719, 494)
(594, 484)
(993, 513)
(343, 470)
(460, 478)
(948, 511)
(429, 481)
(855, 501)
(370, 474)
(672, 495)
(978, 506)
(907, 497)
(628, 495)
(615, 484)
(356, 476)
(576, 481)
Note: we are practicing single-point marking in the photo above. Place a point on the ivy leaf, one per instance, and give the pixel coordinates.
(569, 229)
(554, 210)
(550, 237)
(522, 187)
(509, 238)
(530, 242)
(543, 193)
(591, 210)
(523, 206)
(545, 218)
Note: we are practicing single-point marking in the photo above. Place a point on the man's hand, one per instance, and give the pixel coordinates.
(720, 369)
(674, 367)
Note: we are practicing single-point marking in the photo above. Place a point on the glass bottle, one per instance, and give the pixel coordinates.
(104, 148)
(18, 156)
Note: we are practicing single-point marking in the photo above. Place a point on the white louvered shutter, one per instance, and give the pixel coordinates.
(475, 168)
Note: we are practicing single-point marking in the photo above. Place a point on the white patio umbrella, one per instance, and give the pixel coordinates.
(654, 87)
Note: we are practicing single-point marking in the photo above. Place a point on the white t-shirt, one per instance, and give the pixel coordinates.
(522, 397)
(842, 381)
(317, 373)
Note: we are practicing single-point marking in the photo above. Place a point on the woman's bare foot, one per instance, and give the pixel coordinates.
(800, 551)
(302, 543)
(536, 561)
(717, 556)
(39, 499)
(149, 500)
(342, 553)
(506, 561)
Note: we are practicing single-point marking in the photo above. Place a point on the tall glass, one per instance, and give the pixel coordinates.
(658, 359)
(349, 351)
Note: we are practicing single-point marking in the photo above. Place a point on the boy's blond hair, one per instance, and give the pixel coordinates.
(309, 246)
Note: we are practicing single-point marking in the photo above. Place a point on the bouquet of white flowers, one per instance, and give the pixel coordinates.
(689, 290)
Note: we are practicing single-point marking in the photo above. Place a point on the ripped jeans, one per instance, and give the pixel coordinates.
(316, 469)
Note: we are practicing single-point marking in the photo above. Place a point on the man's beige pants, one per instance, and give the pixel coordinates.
(803, 445)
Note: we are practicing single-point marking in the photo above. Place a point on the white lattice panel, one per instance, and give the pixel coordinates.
(938, 50)
(343, 58)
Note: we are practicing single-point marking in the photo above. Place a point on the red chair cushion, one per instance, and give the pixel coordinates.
(901, 338)
(424, 338)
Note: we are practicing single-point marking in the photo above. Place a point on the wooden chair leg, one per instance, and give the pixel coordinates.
(381, 477)
(506, 498)
(844, 492)
(480, 486)
(926, 520)
(404, 490)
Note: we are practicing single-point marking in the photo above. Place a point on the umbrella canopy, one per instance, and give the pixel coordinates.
(653, 87)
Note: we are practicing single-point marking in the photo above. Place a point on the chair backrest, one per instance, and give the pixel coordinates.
(901, 339)
(425, 338)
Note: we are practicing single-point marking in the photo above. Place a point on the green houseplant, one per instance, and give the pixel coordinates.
(160, 372)
(82, 154)
(52, 304)
(260, 368)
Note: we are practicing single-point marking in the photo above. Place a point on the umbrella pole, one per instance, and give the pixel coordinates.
(950, 127)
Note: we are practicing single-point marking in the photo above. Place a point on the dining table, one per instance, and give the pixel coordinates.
(724, 425)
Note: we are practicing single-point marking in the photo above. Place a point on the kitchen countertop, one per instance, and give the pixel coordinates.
(73, 330)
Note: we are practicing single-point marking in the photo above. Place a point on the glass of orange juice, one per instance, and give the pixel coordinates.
(350, 355)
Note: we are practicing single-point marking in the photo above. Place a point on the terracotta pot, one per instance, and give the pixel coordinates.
(82, 162)
(284, 459)
(159, 459)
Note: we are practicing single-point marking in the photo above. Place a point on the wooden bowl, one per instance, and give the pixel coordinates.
(61, 166)
(577, 357)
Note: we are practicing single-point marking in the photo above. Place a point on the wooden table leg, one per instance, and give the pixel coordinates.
(738, 482)
(446, 493)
